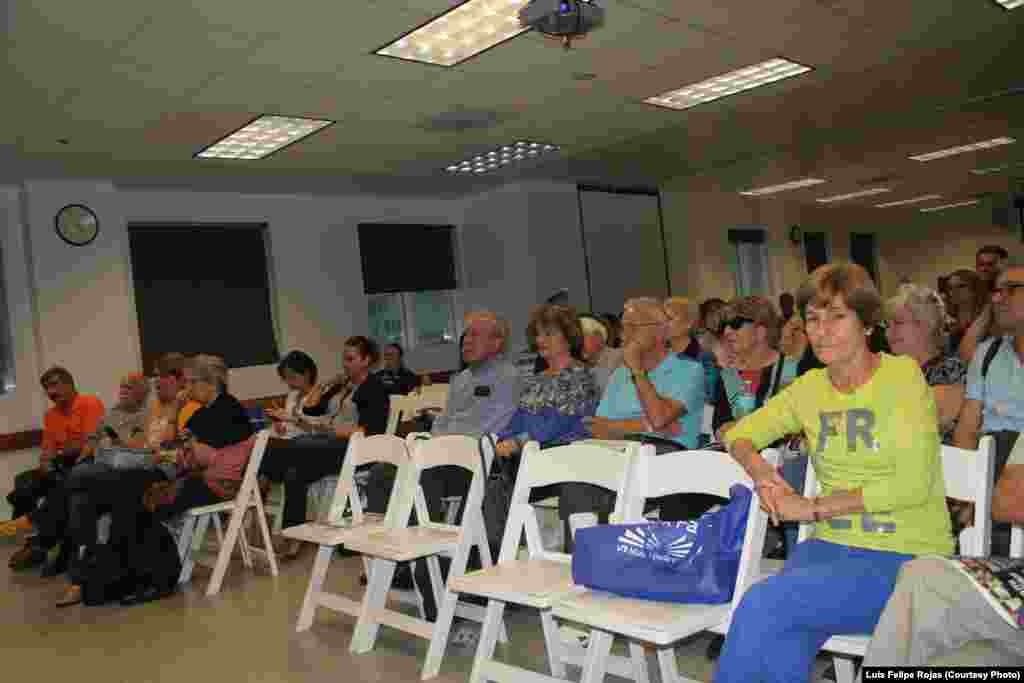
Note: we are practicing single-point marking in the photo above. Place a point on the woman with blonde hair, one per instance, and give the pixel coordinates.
(915, 327)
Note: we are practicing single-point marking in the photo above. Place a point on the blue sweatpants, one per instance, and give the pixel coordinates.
(825, 589)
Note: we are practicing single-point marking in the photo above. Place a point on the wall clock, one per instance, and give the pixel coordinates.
(77, 225)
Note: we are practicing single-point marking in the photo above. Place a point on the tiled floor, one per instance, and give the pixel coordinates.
(244, 634)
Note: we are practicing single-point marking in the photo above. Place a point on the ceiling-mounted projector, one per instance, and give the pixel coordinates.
(564, 20)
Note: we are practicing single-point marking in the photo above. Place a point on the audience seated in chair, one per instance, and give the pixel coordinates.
(322, 418)
(481, 400)
(554, 402)
(601, 358)
(393, 374)
(870, 420)
(994, 404)
(684, 316)
(205, 470)
(655, 396)
(66, 427)
(935, 617)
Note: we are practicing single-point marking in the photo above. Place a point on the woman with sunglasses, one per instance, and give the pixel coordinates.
(751, 329)
(870, 421)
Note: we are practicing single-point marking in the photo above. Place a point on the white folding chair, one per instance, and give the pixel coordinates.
(399, 542)
(336, 526)
(707, 422)
(968, 476)
(659, 623)
(541, 577)
(406, 407)
(197, 521)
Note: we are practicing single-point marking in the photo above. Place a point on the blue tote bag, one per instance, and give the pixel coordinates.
(695, 561)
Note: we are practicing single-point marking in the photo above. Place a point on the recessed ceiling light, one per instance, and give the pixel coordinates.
(1011, 4)
(954, 205)
(791, 185)
(717, 87)
(490, 161)
(914, 200)
(459, 33)
(963, 149)
(853, 195)
(262, 137)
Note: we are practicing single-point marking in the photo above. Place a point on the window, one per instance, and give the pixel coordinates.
(863, 252)
(815, 250)
(6, 338)
(752, 275)
(410, 300)
(203, 288)
(413, 318)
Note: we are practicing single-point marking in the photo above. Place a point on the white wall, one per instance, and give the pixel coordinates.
(521, 243)
(74, 306)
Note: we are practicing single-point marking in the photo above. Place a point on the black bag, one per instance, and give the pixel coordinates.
(497, 500)
(133, 572)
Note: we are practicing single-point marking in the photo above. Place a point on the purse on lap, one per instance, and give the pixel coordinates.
(694, 561)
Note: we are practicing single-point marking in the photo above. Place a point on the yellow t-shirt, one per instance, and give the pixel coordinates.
(882, 439)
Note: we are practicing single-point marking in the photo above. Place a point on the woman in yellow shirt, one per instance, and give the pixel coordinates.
(870, 421)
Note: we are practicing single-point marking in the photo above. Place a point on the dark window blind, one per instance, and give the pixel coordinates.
(203, 288)
(407, 258)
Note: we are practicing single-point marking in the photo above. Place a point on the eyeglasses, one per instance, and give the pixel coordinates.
(736, 323)
(634, 325)
(1007, 288)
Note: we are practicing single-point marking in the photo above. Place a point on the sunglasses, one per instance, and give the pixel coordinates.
(1008, 288)
(736, 323)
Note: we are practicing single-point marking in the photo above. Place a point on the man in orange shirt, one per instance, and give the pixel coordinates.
(66, 426)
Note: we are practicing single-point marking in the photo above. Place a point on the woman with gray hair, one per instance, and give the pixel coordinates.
(915, 322)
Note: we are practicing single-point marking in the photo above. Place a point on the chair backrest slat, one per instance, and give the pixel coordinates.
(575, 463)
(405, 407)
(711, 472)
(687, 472)
(363, 450)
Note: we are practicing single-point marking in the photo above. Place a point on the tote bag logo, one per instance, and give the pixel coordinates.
(676, 543)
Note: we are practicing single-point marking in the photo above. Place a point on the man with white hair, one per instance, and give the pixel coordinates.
(655, 394)
(599, 357)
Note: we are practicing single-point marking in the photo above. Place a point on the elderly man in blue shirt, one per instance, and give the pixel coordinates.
(655, 396)
(481, 400)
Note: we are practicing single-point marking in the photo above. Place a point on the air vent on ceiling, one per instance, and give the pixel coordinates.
(459, 120)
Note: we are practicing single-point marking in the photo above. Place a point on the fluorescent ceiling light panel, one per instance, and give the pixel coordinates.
(502, 156)
(459, 33)
(914, 200)
(853, 195)
(963, 149)
(715, 88)
(1011, 4)
(791, 185)
(954, 205)
(262, 137)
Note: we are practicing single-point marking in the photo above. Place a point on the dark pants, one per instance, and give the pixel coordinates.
(192, 493)
(298, 463)
(35, 484)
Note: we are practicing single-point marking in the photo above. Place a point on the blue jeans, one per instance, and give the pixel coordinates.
(825, 589)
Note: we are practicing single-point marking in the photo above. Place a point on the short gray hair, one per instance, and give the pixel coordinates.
(210, 369)
(501, 326)
(925, 306)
